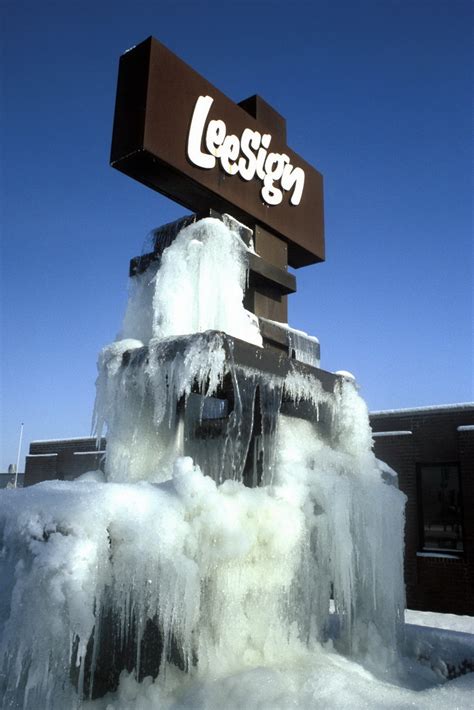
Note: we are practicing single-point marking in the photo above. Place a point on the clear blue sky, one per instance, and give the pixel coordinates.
(377, 96)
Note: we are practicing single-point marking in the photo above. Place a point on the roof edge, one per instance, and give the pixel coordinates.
(460, 406)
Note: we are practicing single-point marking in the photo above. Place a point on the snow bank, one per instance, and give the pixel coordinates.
(435, 620)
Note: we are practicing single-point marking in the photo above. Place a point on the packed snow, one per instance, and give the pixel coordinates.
(435, 620)
(173, 585)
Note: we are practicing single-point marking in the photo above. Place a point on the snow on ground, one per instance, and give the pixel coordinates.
(323, 680)
(450, 622)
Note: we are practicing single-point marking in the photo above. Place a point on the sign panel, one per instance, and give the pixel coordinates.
(178, 134)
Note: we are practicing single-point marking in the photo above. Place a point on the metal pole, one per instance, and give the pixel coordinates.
(18, 456)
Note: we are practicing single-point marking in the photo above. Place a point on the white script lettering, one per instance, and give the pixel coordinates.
(246, 156)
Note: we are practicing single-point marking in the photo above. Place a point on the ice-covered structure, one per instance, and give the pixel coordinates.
(240, 495)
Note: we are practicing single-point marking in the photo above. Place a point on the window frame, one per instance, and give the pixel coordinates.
(421, 528)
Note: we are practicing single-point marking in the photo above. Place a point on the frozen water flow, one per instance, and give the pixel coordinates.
(173, 563)
(303, 347)
(199, 286)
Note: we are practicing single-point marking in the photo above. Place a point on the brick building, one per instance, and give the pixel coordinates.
(63, 459)
(432, 450)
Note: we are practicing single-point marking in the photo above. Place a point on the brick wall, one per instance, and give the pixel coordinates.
(466, 460)
(433, 582)
(63, 459)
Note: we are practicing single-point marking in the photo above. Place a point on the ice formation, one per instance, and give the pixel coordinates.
(199, 286)
(173, 552)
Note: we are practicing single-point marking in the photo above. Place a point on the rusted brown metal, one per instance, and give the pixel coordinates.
(156, 97)
(266, 115)
(243, 355)
(271, 248)
(267, 302)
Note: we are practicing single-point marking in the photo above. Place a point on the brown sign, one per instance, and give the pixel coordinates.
(178, 134)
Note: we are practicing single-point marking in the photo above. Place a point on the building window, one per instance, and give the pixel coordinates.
(441, 507)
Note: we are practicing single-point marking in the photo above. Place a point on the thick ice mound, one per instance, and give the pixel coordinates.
(238, 578)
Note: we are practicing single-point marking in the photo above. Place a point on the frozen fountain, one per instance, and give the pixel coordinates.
(244, 547)
(240, 495)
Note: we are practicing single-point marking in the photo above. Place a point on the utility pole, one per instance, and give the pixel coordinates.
(18, 455)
